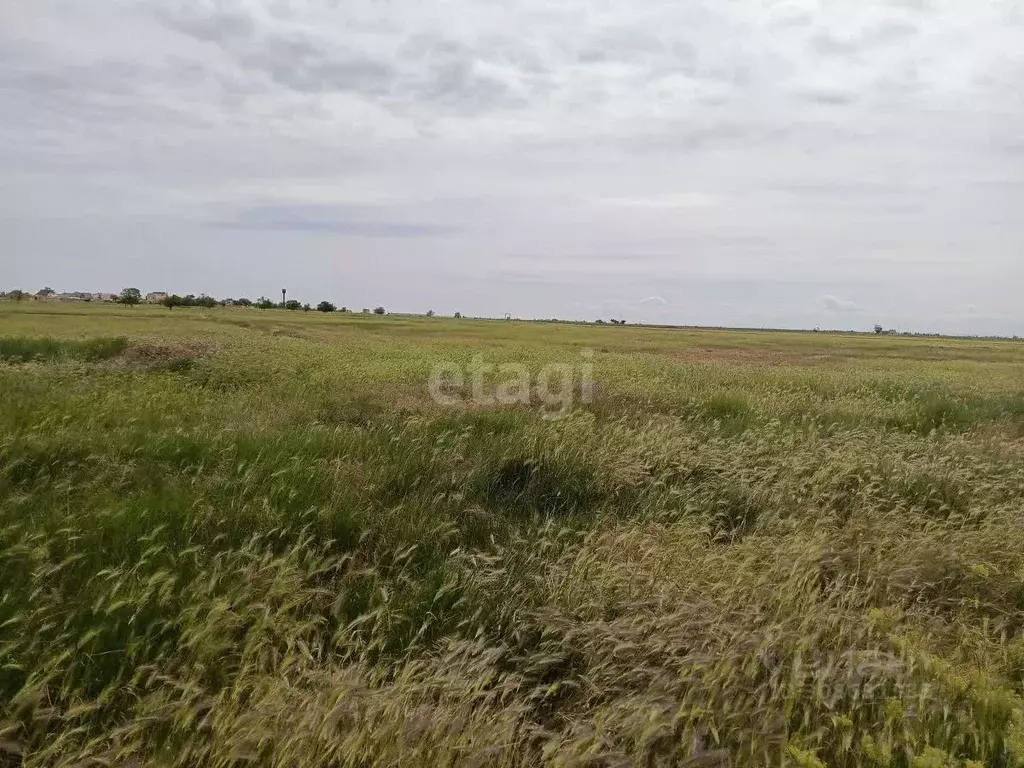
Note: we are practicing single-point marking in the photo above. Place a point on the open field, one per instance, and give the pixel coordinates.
(238, 537)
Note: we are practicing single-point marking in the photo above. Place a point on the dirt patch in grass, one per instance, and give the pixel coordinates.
(177, 357)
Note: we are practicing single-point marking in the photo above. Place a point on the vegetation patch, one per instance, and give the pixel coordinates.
(360, 409)
(734, 511)
(541, 486)
(26, 349)
(227, 548)
(732, 411)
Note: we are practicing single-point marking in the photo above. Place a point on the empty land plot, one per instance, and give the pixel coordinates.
(244, 537)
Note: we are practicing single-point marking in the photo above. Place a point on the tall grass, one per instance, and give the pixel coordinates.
(285, 554)
(24, 349)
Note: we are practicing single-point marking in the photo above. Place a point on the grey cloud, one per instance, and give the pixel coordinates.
(846, 189)
(338, 220)
(848, 154)
(294, 59)
(828, 96)
(437, 70)
(458, 84)
(221, 26)
(834, 304)
(624, 44)
(831, 41)
(301, 66)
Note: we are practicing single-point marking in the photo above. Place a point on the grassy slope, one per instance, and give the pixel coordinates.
(251, 537)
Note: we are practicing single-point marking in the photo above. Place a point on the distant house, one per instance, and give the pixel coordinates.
(75, 296)
(156, 297)
(102, 296)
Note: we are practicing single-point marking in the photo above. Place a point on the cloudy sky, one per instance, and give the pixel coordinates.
(751, 162)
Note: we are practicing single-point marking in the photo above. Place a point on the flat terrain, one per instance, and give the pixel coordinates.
(239, 537)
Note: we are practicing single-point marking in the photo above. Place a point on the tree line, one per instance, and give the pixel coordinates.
(174, 300)
(133, 296)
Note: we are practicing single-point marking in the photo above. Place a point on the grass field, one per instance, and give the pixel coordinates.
(238, 537)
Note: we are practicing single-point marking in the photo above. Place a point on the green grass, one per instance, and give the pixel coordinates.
(22, 349)
(240, 537)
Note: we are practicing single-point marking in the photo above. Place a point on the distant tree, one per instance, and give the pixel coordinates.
(344, 309)
(599, 321)
(130, 297)
(264, 303)
(326, 306)
(46, 292)
(293, 305)
(207, 302)
(366, 311)
(430, 313)
(380, 311)
(243, 302)
(458, 315)
(879, 330)
(172, 301)
(17, 294)
(306, 307)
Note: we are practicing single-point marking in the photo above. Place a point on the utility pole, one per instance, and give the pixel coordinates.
(284, 295)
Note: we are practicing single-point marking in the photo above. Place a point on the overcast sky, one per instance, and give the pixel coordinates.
(750, 162)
